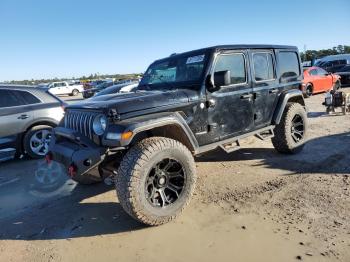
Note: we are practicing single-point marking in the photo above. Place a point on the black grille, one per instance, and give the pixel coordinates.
(80, 121)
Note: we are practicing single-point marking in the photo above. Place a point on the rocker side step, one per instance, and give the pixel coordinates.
(232, 144)
(266, 134)
(230, 147)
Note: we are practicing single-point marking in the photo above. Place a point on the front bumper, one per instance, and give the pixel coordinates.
(78, 154)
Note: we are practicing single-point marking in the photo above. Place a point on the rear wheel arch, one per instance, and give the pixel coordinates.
(293, 96)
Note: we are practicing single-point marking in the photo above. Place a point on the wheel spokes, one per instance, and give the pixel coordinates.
(165, 182)
(164, 198)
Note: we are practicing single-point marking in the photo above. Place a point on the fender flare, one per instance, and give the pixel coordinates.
(146, 123)
(295, 95)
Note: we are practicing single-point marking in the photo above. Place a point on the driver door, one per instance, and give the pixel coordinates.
(230, 111)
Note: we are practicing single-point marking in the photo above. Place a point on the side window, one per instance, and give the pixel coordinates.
(9, 99)
(321, 72)
(28, 98)
(263, 66)
(342, 62)
(335, 63)
(235, 63)
(313, 72)
(288, 64)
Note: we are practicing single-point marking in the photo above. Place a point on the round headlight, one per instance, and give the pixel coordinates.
(99, 125)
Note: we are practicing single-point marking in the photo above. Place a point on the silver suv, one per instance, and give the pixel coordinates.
(27, 115)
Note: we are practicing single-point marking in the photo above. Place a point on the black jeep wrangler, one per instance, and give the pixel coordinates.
(185, 105)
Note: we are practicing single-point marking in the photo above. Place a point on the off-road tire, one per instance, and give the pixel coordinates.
(133, 172)
(27, 137)
(283, 141)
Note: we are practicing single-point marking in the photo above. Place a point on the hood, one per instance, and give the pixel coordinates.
(136, 101)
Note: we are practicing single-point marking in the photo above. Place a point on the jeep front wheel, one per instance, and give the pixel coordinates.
(156, 180)
(290, 133)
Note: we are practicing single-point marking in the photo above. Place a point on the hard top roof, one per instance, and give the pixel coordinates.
(237, 46)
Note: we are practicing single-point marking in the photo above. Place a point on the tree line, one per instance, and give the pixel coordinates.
(309, 55)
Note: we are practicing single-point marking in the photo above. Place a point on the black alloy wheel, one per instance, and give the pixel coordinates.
(297, 128)
(165, 183)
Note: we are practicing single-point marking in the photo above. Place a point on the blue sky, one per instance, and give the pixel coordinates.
(66, 38)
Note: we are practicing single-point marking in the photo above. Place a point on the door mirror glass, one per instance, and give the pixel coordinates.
(222, 78)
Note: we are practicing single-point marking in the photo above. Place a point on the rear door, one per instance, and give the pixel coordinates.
(66, 89)
(230, 110)
(14, 114)
(265, 86)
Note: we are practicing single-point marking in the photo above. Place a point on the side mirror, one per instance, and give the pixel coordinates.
(222, 78)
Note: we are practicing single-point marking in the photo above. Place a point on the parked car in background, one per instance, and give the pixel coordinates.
(92, 91)
(74, 82)
(62, 88)
(27, 116)
(317, 80)
(93, 84)
(120, 88)
(333, 63)
(344, 74)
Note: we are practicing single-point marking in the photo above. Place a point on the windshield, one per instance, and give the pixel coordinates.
(175, 70)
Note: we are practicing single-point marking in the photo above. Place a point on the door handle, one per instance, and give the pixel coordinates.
(273, 91)
(23, 117)
(246, 96)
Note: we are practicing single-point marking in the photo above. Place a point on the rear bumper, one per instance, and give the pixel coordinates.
(78, 154)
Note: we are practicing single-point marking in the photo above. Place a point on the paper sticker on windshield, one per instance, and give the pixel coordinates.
(195, 59)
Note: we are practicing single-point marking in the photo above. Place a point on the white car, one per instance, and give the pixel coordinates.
(63, 88)
(119, 88)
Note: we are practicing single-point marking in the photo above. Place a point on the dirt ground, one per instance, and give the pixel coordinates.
(250, 205)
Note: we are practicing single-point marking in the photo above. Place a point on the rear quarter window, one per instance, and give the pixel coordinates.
(9, 99)
(288, 64)
(28, 98)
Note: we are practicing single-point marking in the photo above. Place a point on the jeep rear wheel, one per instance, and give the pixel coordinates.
(156, 180)
(290, 133)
